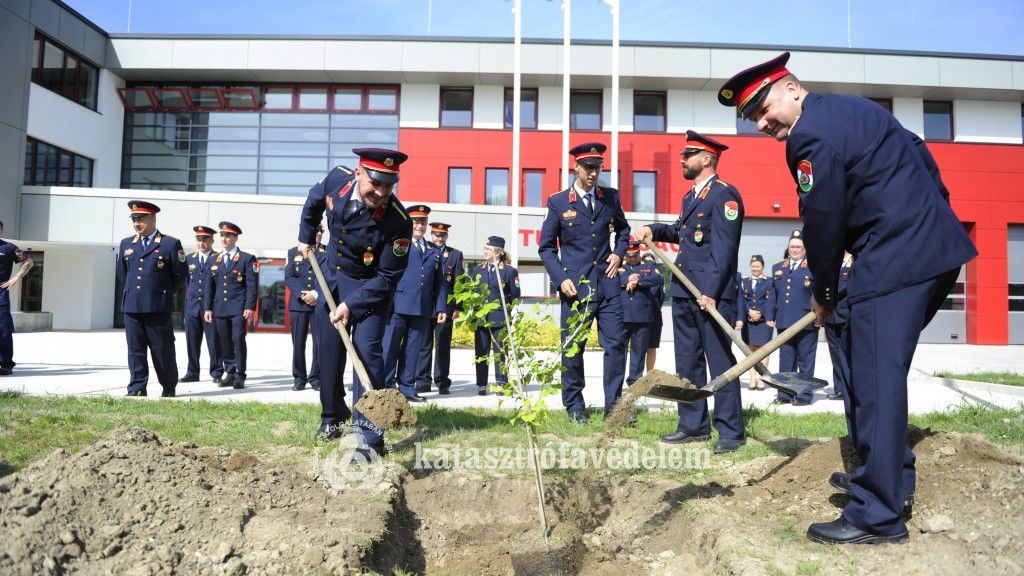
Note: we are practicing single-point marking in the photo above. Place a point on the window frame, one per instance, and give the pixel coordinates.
(654, 193)
(663, 96)
(508, 185)
(441, 109)
(523, 190)
(70, 91)
(33, 143)
(297, 97)
(468, 169)
(600, 110)
(952, 124)
(293, 88)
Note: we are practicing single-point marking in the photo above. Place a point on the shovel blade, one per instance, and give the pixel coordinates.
(678, 394)
(794, 383)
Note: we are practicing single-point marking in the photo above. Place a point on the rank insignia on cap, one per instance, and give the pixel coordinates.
(401, 247)
(732, 210)
(389, 162)
(727, 94)
(805, 175)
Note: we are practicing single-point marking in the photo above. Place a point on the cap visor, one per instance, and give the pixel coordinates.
(385, 177)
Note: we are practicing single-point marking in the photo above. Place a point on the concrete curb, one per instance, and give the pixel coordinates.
(974, 388)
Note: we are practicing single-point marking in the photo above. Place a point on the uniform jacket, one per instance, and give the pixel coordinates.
(793, 289)
(198, 282)
(759, 296)
(708, 234)
(298, 277)
(575, 242)
(658, 297)
(422, 290)
(233, 286)
(638, 305)
(509, 277)
(869, 186)
(151, 277)
(452, 266)
(9, 256)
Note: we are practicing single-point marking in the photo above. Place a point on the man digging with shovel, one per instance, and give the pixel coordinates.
(868, 186)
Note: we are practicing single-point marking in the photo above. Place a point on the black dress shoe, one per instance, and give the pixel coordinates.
(4, 371)
(315, 386)
(780, 401)
(578, 416)
(835, 396)
(238, 383)
(481, 390)
(224, 382)
(329, 432)
(724, 445)
(443, 391)
(139, 393)
(684, 438)
(188, 378)
(839, 531)
(167, 394)
(841, 481)
(415, 398)
(799, 402)
(368, 454)
(422, 389)
(298, 385)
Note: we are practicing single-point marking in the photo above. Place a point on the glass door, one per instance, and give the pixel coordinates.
(271, 304)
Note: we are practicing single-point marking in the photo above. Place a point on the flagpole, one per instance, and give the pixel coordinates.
(517, 10)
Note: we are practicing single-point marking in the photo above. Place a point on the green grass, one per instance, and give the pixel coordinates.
(1007, 378)
(34, 426)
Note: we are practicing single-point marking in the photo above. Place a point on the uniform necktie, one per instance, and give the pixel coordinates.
(227, 256)
(202, 259)
(353, 207)
(586, 200)
(145, 243)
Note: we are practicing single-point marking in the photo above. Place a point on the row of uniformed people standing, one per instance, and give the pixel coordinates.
(151, 267)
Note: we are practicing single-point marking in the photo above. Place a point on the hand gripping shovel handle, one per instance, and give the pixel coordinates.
(733, 334)
(343, 330)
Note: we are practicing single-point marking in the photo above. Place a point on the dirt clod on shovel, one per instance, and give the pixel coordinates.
(662, 378)
(386, 408)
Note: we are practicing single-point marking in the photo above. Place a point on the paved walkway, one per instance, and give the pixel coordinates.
(95, 363)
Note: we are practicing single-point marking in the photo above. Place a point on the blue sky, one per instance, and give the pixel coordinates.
(980, 27)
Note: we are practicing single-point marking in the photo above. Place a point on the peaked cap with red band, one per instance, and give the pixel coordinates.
(203, 231)
(699, 143)
(418, 211)
(633, 248)
(439, 227)
(380, 164)
(589, 153)
(141, 207)
(229, 228)
(747, 89)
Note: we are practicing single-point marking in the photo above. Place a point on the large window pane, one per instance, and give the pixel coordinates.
(47, 158)
(496, 187)
(312, 98)
(30, 147)
(293, 149)
(348, 99)
(644, 185)
(294, 163)
(83, 172)
(278, 98)
(382, 100)
(460, 186)
(649, 111)
(938, 120)
(533, 188)
(70, 74)
(292, 120)
(456, 107)
(295, 134)
(744, 126)
(88, 80)
(585, 110)
(52, 71)
(527, 108)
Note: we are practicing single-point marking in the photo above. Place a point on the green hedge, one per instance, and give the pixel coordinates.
(541, 334)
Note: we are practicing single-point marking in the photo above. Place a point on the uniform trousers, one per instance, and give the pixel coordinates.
(301, 321)
(798, 355)
(6, 331)
(403, 342)
(638, 338)
(700, 344)
(611, 335)
(880, 340)
(195, 331)
(152, 331)
(231, 337)
(485, 341)
(331, 359)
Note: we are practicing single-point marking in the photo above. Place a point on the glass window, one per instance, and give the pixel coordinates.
(938, 120)
(883, 102)
(64, 72)
(312, 98)
(460, 186)
(48, 165)
(496, 187)
(348, 99)
(585, 110)
(649, 111)
(171, 98)
(744, 126)
(644, 187)
(205, 98)
(533, 188)
(52, 71)
(88, 84)
(32, 286)
(456, 107)
(83, 172)
(382, 100)
(70, 76)
(241, 98)
(527, 108)
(278, 98)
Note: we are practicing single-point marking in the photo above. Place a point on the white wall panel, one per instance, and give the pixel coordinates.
(679, 108)
(210, 54)
(987, 121)
(625, 110)
(549, 108)
(420, 106)
(910, 113)
(488, 102)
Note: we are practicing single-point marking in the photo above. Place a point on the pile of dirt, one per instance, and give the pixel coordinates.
(135, 504)
(386, 408)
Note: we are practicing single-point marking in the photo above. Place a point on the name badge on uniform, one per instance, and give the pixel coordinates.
(569, 214)
(214, 268)
(807, 282)
(778, 273)
(191, 266)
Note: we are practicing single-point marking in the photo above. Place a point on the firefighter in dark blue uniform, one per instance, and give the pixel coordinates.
(369, 247)
(834, 328)
(638, 281)
(421, 296)
(196, 329)
(231, 302)
(298, 277)
(870, 187)
(708, 233)
(494, 269)
(9, 255)
(794, 285)
(151, 266)
(658, 300)
(574, 244)
(755, 311)
(451, 265)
